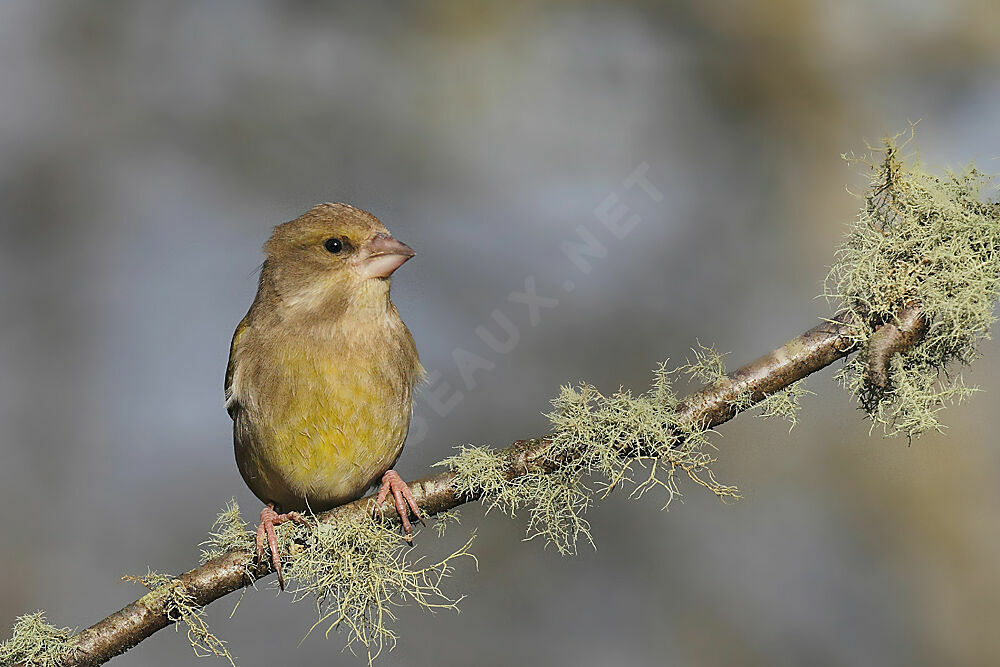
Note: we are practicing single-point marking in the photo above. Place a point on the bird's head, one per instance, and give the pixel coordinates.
(330, 258)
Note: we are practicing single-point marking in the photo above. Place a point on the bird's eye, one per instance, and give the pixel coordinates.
(333, 246)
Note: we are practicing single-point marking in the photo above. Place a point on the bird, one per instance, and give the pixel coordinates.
(322, 372)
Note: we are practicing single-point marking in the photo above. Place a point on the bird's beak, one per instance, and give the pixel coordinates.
(383, 255)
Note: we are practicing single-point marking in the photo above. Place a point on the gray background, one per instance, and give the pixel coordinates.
(146, 149)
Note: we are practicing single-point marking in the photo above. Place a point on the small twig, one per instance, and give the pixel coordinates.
(890, 339)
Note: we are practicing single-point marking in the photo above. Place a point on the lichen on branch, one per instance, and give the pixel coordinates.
(358, 571)
(35, 643)
(707, 365)
(599, 442)
(923, 243)
(354, 569)
(229, 533)
(182, 609)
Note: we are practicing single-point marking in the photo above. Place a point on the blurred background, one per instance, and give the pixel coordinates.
(147, 148)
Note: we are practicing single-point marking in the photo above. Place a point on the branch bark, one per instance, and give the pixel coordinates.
(711, 406)
(904, 332)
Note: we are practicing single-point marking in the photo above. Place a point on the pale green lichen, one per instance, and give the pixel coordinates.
(182, 609)
(229, 533)
(708, 365)
(445, 520)
(926, 241)
(35, 643)
(358, 571)
(482, 470)
(599, 443)
(785, 404)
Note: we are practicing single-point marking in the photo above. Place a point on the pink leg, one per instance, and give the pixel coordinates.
(402, 499)
(266, 534)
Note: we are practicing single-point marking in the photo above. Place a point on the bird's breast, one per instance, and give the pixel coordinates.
(328, 420)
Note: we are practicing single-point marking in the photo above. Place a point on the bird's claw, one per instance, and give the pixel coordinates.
(266, 534)
(403, 501)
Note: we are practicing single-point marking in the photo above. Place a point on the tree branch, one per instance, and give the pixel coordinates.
(711, 406)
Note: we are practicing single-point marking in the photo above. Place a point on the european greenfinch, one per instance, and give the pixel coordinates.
(322, 371)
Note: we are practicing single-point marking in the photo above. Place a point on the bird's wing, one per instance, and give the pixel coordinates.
(231, 367)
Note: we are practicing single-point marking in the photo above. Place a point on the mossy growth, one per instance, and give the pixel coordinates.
(925, 241)
(598, 443)
(445, 520)
(229, 533)
(358, 571)
(35, 643)
(706, 365)
(784, 404)
(181, 609)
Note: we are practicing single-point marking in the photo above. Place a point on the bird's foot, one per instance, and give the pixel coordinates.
(402, 499)
(266, 534)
